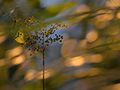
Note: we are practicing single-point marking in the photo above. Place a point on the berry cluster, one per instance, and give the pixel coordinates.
(39, 40)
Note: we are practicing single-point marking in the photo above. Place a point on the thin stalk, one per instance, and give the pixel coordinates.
(43, 62)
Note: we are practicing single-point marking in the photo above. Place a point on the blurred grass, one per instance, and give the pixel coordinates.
(89, 16)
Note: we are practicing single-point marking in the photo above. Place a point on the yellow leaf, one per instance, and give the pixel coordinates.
(19, 37)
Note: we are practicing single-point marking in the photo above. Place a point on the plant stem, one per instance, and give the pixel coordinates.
(43, 62)
(43, 71)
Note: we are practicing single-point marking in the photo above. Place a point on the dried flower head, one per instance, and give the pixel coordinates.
(39, 40)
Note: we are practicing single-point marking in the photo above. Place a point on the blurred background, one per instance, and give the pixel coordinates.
(88, 58)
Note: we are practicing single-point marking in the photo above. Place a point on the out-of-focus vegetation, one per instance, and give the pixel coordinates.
(88, 57)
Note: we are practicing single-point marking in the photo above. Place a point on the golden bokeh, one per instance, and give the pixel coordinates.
(2, 38)
(92, 36)
(96, 58)
(112, 87)
(48, 73)
(14, 52)
(18, 60)
(2, 62)
(112, 3)
(106, 15)
(83, 43)
(75, 61)
(30, 75)
(118, 15)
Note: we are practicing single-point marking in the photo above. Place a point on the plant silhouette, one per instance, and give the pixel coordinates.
(37, 41)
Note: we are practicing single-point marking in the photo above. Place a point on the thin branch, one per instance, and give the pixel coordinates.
(104, 45)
